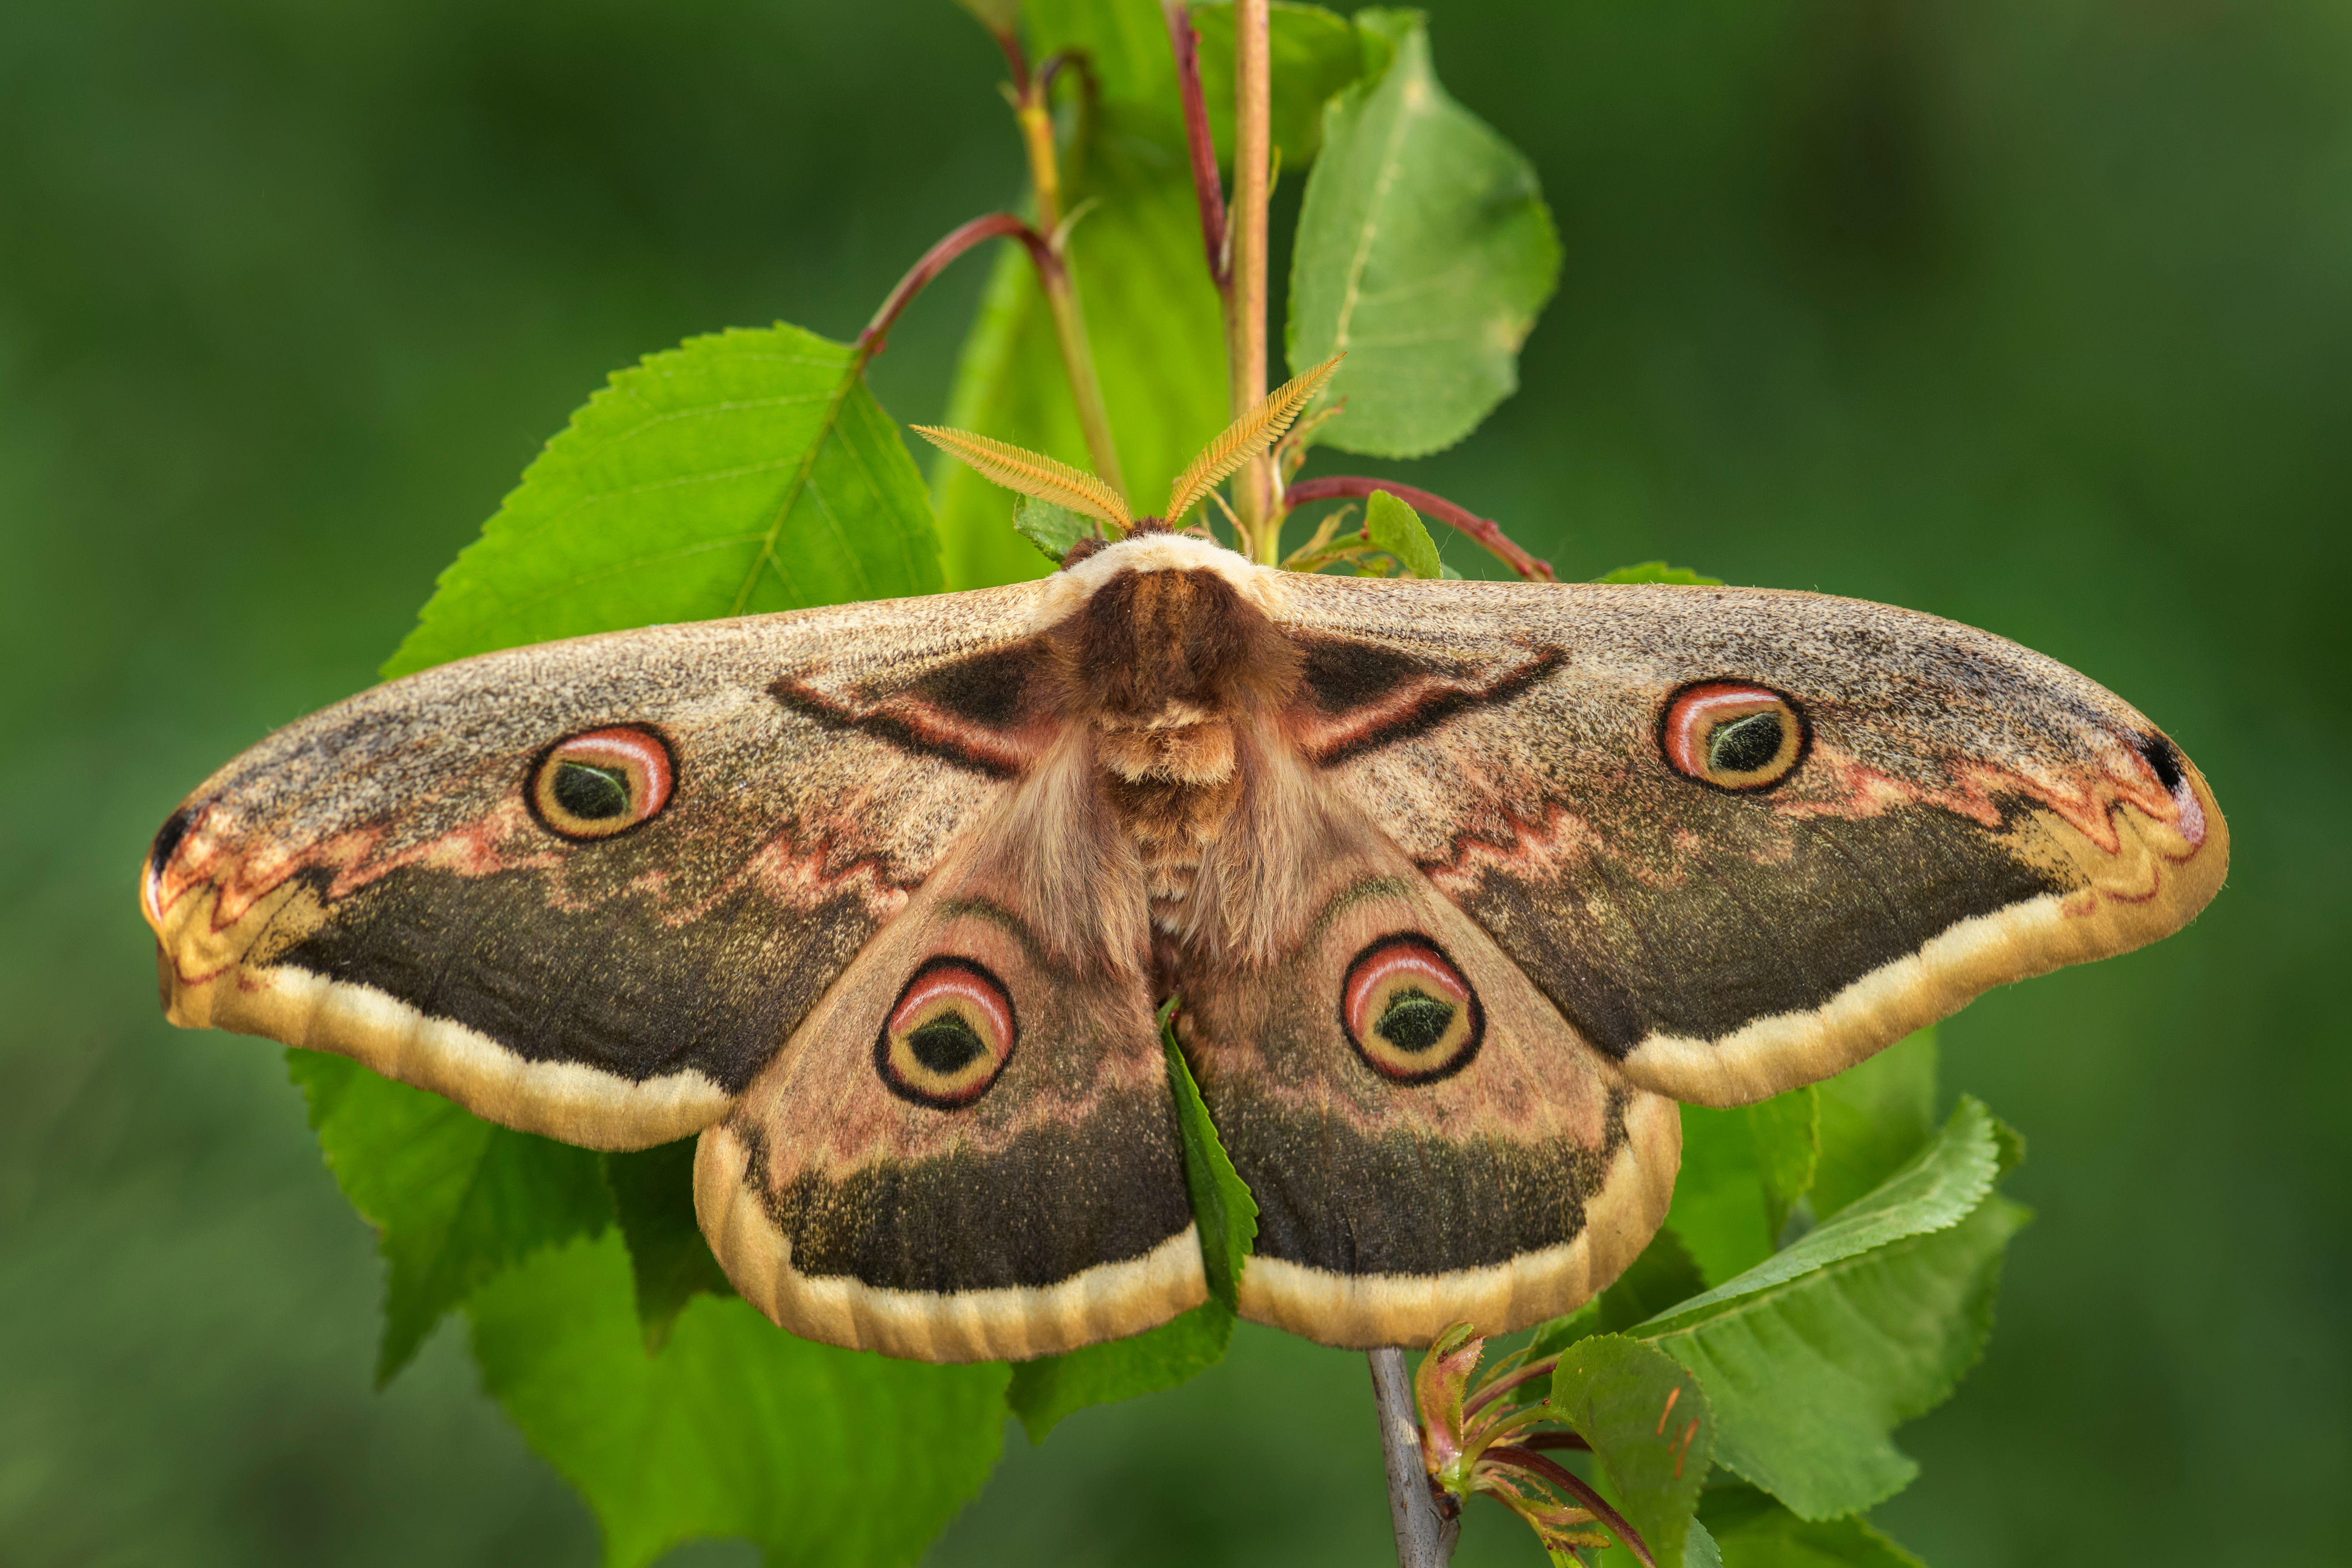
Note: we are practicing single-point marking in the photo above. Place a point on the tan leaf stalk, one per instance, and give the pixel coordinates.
(1255, 498)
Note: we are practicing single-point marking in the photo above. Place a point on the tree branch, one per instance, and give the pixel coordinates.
(1486, 532)
(1425, 1534)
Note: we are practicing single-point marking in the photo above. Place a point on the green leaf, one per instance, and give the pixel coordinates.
(1942, 1184)
(999, 16)
(1125, 43)
(736, 1428)
(653, 1197)
(1662, 1277)
(741, 472)
(1700, 1551)
(1314, 54)
(1875, 1116)
(1657, 571)
(1045, 1390)
(1813, 1357)
(1222, 1205)
(1751, 1530)
(1425, 250)
(1743, 1170)
(1398, 529)
(1650, 1427)
(454, 1199)
(1052, 529)
(1158, 350)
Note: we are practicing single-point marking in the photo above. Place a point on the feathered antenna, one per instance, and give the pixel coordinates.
(1245, 438)
(1032, 474)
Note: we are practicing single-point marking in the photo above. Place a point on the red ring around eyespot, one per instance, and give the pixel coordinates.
(627, 746)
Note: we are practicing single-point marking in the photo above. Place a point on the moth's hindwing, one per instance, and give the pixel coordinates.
(1427, 1138)
(1742, 837)
(969, 1151)
(587, 888)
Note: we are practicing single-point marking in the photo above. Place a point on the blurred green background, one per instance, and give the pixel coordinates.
(2035, 313)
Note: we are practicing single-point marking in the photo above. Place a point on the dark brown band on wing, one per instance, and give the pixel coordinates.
(1333, 1198)
(971, 712)
(1740, 937)
(609, 985)
(1357, 697)
(1057, 1200)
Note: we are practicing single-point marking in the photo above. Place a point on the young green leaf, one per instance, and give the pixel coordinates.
(1743, 1170)
(1222, 1205)
(1751, 1530)
(1052, 529)
(1650, 1427)
(454, 1200)
(1423, 250)
(653, 1197)
(1875, 1116)
(1159, 351)
(736, 1428)
(1314, 55)
(1657, 571)
(1398, 529)
(741, 472)
(1045, 1390)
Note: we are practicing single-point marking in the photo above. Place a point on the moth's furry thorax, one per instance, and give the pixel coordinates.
(1160, 665)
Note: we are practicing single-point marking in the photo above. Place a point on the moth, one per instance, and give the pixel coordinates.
(1462, 887)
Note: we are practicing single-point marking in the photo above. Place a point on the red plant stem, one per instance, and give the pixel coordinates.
(1205, 185)
(1351, 486)
(1501, 1386)
(1568, 1481)
(1010, 42)
(935, 260)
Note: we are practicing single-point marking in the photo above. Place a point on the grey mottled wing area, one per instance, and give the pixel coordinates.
(377, 881)
(1965, 812)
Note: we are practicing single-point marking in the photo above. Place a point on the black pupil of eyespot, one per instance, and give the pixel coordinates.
(1743, 745)
(1414, 1021)
(597, 794)
(947, 1043)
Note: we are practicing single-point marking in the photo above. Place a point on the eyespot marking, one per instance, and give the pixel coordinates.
(948, 1035)
(1733, 736)
(1409, 1012)
(168, 839)
(2164, 760)
(602, 783)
